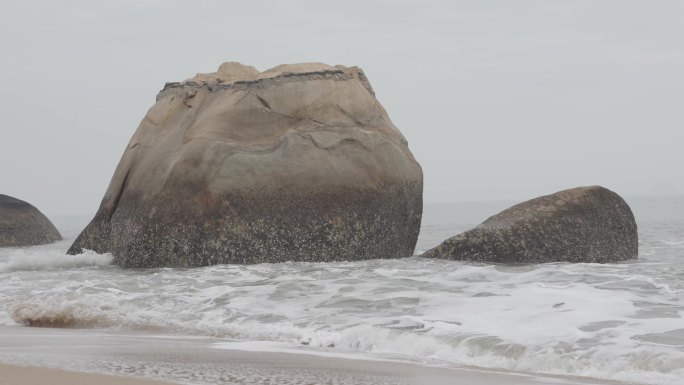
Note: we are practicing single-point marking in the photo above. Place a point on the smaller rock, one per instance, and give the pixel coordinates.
(584, 224)
(21, 224)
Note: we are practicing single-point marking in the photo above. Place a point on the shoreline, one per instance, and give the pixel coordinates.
(39, 375)
(30, 355)
(269, 367)
(331, 370)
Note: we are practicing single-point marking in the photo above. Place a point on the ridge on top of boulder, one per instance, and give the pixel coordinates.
(234, 74)
(583, 224)
(230, 72)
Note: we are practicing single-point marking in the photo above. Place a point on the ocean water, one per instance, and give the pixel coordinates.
(612, 321)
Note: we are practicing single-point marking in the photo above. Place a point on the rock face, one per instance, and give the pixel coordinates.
(584, 224)
(299, 162)
(21, 224)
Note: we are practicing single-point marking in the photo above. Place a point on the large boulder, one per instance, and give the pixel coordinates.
(300, 162)
(584, 224)
(21, 224)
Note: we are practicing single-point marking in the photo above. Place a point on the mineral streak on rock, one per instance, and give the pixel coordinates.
(584, 224)
(21, 224)
(299, 162)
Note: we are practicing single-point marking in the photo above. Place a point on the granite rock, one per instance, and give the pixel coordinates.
(584, 224)
(297, 163)
(21, 224)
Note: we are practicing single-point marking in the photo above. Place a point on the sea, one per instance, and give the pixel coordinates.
(618, 322)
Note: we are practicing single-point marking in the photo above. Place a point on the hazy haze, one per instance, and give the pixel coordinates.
(498, 99)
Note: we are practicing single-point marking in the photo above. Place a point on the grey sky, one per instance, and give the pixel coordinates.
(501, 100)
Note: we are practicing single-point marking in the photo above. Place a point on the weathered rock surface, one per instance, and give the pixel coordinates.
(21, 224)
(299, 162)
(584, 224)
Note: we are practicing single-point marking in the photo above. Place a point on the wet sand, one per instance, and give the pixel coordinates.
(198, 361)
(32, 375)
(302, 372)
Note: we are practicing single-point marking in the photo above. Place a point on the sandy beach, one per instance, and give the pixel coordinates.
(339, 372)
(32, 375)
(127, 359)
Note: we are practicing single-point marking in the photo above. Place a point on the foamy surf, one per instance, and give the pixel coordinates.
(580, 320)
(37, 259)
(283, 347)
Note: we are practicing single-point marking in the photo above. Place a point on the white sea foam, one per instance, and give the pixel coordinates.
(282, 347)
(38, 259)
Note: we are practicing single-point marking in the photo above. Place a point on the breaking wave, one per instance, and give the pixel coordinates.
(606, 321)
(74, 316)
(32, 259)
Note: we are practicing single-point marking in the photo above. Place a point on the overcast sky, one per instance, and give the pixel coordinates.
(501, 100)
